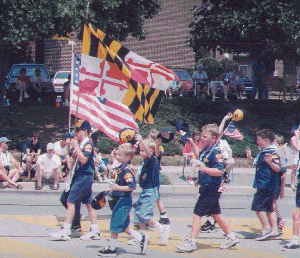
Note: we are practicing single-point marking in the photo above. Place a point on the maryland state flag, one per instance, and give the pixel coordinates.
(111, 71)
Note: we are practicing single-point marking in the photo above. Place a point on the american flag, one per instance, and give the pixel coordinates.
(107, 115)
(233, 132)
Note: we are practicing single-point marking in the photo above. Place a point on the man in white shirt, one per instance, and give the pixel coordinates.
(10, 169)
(48, 165)
(62, 149)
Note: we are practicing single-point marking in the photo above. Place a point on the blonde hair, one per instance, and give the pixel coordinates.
(126, 149)
(151, 144)
(213, 129)
(153, 134)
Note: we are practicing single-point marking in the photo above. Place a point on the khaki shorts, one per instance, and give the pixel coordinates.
(47, 177)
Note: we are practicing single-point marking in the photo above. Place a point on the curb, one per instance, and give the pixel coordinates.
(164, 189)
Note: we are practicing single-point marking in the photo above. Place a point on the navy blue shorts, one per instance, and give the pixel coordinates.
(276, 193)
(263, 200)
(81, 189)
(120, 216)
(208, 203)
(298, 196)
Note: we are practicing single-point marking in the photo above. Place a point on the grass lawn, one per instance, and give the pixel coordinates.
(18, 123)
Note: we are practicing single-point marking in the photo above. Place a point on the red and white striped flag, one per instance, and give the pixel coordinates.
(107, 115)
(233, 132)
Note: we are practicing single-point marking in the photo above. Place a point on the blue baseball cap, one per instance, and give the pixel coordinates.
(83, 125)
(68, 135)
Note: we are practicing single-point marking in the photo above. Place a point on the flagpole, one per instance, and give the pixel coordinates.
(72, 43)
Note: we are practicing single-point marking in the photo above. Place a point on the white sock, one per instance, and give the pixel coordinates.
(94, 227)
(231, 235)
(67, 226)
(211, 220)
(294, 239)
(158, 226)
(163, 215)
(136, 235)
(193, 240)
(112, 244)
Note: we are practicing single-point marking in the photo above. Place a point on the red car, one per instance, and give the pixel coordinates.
(184, 86)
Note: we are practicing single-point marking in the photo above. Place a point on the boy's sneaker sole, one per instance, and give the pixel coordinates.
(59, 237)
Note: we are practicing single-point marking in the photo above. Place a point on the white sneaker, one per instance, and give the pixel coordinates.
(164, 233)
(26, 96)
(132, 241)
(143, 244)
(92, 235)
(187, 246)
(230, 242)
(63, 234)
(20, 99)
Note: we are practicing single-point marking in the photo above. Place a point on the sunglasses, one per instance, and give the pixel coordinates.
(35, 138)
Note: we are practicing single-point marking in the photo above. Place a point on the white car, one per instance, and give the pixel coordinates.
(58, 81)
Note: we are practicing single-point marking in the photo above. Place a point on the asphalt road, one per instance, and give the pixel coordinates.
(27, 218)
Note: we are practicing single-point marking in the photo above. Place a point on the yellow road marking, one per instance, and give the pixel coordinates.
(16, 249)
(205, 248)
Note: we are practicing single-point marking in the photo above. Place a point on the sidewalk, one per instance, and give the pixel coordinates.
(173, 182)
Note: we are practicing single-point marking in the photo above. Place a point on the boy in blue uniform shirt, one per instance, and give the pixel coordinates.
(149, 182)
(81, 188)
(120, 199)
(266, 182)
(209, 178)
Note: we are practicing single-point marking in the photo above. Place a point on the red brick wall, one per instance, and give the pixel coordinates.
(165, 42)
(167, 34)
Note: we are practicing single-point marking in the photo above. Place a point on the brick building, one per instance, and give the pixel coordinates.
(165, 42)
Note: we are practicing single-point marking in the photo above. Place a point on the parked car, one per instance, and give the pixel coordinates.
(58, 81)
(11, 89)
(185, 82)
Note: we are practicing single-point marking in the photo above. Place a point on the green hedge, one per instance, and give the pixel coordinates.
(259, 114)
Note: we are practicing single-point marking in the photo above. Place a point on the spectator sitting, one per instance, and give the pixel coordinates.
(217, 83)
(62, 149)
(100, 166)
(201, 81)
(38, 82)
(188, 151)
(236, 82)
(23, 83)
(48, 165)
(33, 150)
(10, 169)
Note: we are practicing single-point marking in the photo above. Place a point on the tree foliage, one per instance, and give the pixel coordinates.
(30, 20)
(247, 26)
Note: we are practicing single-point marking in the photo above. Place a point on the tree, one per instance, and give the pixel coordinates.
(26, 20)
(247, 26)
(22, 21)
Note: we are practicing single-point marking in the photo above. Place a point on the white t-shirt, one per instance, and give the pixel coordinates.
(5, 158)
(59, 150)
(225, 149)
(49, 164)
